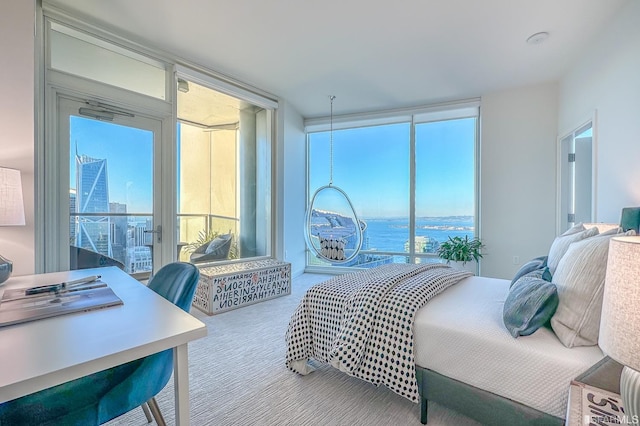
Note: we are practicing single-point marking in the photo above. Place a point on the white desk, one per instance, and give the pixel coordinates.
(39, 354)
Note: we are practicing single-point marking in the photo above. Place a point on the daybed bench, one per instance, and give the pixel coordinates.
(462, 351)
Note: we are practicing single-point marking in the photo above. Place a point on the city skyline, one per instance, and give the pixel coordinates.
(94, 227)
(128, 153)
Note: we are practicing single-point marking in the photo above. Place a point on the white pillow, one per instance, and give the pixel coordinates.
(579, 278)
(561, 244)
(578, 227)
(611, 231)
(604, 227)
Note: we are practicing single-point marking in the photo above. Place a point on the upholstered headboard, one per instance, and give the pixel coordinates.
(630, 219)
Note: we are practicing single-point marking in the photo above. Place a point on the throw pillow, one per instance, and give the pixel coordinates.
(611, 231)
(530, 266)
(216, 243)
(561, 244)
(542, 273)
(605, 227)
(580, 280)
(530, 304)
(579, 227)
(333, 248)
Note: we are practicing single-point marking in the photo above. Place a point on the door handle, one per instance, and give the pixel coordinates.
(157, 231)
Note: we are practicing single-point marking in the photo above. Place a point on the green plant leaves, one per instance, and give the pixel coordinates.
(460, 249)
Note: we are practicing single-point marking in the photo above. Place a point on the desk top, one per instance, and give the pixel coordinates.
(40, 354)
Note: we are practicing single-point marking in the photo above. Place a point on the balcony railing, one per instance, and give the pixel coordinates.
(127, 237)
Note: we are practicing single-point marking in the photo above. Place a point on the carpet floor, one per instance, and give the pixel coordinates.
(237, 376)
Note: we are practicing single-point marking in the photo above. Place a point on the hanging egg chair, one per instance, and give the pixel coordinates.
(333, 231)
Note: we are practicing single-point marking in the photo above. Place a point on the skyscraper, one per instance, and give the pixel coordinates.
(73, 227)
(92, 197)
(118, 230)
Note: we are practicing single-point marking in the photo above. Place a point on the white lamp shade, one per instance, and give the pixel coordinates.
(620, 321)
(11, 205)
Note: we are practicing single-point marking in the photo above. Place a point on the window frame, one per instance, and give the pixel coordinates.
(270, 109)
(50, 84)
(414, 116)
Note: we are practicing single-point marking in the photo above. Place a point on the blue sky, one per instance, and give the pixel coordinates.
(129, 154)
(371, 165)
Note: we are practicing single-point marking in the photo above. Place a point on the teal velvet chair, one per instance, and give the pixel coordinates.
(105, 395)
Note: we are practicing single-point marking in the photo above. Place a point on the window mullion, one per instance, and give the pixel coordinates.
(412, 191)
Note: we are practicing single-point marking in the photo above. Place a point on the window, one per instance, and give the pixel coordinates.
(124, 183)
(411, 179)
(84, 55)
(224, 178)
(445, 182)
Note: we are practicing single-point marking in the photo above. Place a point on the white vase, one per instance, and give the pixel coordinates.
(466, 266)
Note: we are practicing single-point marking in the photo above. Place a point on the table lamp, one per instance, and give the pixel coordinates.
(620, 322)
(11, 210)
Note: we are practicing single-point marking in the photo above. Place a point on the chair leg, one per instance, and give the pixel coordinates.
(147, 413)
(155, 410)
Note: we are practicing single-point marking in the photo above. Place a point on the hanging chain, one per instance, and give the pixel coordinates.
(331, 98)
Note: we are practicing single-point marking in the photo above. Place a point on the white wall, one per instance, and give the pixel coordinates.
(294, 189)
(518, 176)
(17, 122)
(606, 79)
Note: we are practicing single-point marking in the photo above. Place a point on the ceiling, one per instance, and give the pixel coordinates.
(370, 54)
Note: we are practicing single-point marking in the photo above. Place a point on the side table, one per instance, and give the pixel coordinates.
(594, 396)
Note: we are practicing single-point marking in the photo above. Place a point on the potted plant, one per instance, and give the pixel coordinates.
(461, 250)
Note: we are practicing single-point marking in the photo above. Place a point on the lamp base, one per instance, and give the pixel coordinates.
(630, 393)
(6, 267)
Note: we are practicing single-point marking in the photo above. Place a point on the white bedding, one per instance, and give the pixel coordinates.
(460, 334)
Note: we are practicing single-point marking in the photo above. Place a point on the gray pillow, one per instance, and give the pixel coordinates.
(541, 273)
(561, 244)
(580, 280)
(530, 266)
(530, 304)
(217, 243)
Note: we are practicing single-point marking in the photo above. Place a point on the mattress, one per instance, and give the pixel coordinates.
(460, 334)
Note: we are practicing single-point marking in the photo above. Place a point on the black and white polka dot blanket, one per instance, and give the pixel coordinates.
(361, 323)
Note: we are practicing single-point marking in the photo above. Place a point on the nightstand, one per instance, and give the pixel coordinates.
(594, 396)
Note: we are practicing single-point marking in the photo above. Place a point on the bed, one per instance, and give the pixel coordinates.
(457, 350)
(462, 347)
